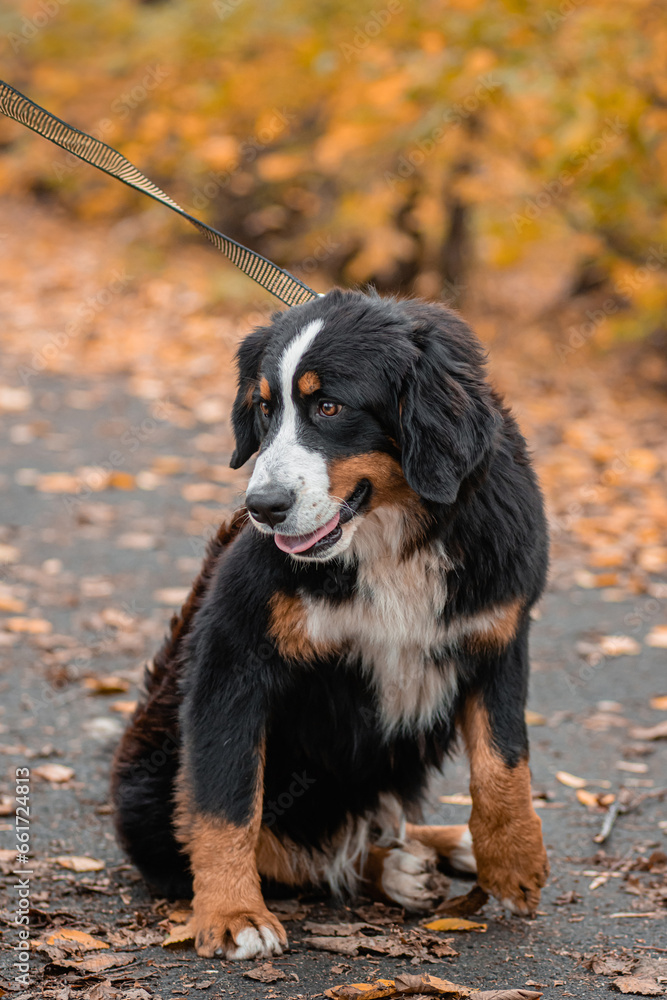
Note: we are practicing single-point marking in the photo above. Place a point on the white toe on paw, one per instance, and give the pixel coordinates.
(406, 875)
(462, 857)
(254, 943)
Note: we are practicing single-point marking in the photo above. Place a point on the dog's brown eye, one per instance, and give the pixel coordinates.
(265, 408)
(327, 409)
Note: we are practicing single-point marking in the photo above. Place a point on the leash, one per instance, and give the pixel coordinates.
(280, 283)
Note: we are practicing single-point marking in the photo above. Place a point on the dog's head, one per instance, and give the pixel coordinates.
(355, 402)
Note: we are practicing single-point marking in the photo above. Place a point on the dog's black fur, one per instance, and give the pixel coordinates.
(410, 377)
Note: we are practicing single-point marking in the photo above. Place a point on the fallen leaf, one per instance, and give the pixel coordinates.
(57, 773)
(619, 645)
(106, 685)
(368, 991)
(73, 940)
(58, 482)
(13, 604)
(139, 540)
(534, 718)
(458, 799)
(180, 915)
(124, 707)
(9, 554)
(660, 700)
(14, 399)
(455, 924)
(657, 637)
(31, 626)
(632, 766)
(79, 863)
(641, 987)
(179, 936)
(466, 905)
(657, 732)
(336, 930)
(173, 596)
(608, 965)
(571, 780)
(121, 480)
(97, 962)
(265, 973)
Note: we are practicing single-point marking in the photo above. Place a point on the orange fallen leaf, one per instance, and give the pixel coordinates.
(57, 773)
(122, 480)
(30, 626)
(455, 924)
(83, 941)
(367, 991)
(58, 482)
(458, 799)
(657, 732)
(534, 718)
(106, 685)
(13, 604)
(619, 645)
(657, 638)
(180, 916)
(124, 707)
(173, 596)
(79, 863)
(178, 936)
(9, 554)
(660, 700)
(571, 780)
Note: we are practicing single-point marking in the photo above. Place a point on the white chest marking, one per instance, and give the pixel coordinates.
(392, 624)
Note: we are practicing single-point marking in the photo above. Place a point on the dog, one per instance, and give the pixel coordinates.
(370, 604)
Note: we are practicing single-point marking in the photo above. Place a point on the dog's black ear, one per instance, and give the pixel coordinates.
(244, 421)
(448, 420)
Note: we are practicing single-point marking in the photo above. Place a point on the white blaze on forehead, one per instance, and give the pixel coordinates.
(291, 357)
(286, 462)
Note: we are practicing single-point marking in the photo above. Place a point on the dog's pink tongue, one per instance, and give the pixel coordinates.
(299, 543)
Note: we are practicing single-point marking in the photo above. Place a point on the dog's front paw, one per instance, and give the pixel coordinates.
(512, 864)
(409, 876)
(238, 935)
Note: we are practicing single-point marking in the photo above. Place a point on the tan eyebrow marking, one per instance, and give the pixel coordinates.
(309, 383)
(249, 393)
(264, 389)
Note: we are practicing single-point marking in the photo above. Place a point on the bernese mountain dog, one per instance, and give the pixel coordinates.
(369, 604)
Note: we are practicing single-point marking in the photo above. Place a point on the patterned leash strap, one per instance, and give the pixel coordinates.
(15, 105)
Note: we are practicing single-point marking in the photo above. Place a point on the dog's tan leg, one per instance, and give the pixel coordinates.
(453, 843)
(506, 832)
(230, 917)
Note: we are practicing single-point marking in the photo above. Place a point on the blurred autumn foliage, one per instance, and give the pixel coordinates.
(512, 153)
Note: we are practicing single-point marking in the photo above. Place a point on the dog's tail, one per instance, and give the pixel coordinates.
(147, 760)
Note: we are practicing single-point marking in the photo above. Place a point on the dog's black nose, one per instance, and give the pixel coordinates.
(270, 506)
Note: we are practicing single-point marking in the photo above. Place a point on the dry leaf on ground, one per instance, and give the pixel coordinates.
(408, 985)
(638, 987)
(179, 936)
(455, 924)
(57, 773)
(657, 637)
(657, 732)
(106, 685)
(70, 940)
(30, 626)
(266, 973)
(79, 863)
(659, 701)
(571, 780)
